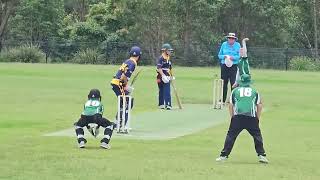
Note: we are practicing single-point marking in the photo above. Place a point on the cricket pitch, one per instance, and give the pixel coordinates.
(165, 124)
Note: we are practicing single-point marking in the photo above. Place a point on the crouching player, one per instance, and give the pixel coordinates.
(91, 117)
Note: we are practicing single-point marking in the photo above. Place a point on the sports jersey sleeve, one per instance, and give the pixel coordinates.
(232, 98)
(101, 109)
(159, 63)
(258, 100)
(236, 53)
(221, 52)
(131, 67)
(243, 66)
(238, 75)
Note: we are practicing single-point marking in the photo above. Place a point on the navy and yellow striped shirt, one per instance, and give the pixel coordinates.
(164, 63)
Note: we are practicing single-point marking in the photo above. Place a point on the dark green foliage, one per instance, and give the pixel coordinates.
(302, 63)
(195, 28)
(87, 56)
(25, 54)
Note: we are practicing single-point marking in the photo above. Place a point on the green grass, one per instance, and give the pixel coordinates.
(37, 99)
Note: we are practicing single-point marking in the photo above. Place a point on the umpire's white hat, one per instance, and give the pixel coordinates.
(232, 35)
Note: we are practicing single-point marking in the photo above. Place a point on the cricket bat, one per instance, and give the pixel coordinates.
(135, 77)
(176, 93)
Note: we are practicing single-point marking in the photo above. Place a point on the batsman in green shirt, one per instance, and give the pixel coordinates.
(245, 110)
(91, 117)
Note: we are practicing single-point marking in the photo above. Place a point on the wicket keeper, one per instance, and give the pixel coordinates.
(245, 110)
(92, 114)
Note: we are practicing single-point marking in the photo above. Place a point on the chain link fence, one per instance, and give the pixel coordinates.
(195, 54)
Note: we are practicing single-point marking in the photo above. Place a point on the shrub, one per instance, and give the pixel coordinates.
(87, 56)
(317, 63)
(56, 60)
(3, 57)
(303, 63)
(24, 53)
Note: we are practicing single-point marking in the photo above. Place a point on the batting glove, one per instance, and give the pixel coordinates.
(129, 89)
(165, 79)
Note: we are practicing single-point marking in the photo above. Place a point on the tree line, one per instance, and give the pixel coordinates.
(189, 25)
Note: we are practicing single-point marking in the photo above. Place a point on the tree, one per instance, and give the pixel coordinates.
(6, 10)
(102, 22)
(150, 23)
(37, 20)
(315, 24)
(197, 29)
(102, 28)
(79, 8)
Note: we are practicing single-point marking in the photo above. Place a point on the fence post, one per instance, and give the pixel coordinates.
(46, 48)
(287, 58)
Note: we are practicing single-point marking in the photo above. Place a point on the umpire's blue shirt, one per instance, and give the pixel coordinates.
(231, 50)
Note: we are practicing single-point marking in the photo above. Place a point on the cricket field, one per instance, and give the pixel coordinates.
(40, 103)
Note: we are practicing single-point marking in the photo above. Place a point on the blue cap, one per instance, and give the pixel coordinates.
(135, 51)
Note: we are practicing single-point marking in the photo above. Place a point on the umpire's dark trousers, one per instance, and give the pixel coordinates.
(228, 74)
(237, 124)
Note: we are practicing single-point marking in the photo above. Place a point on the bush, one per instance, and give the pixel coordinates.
(3, 57)
(56, 60)
(24, 53)
(303, 63)
(317, 64)
(87, 56)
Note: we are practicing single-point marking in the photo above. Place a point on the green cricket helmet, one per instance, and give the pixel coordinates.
(166, 47)
(245, 80)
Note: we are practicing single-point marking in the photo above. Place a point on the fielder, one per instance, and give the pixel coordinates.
(245, 110)
(243, 66)
(91, 117)
(164, 76)
(119, 82)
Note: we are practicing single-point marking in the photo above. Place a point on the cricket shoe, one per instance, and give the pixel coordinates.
(105, 145)
(221, 158)
(168, 107)
(263, 159)
(161, 107)
(82, 144)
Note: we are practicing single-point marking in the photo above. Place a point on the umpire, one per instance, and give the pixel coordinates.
(245, 110)
(229, 55)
